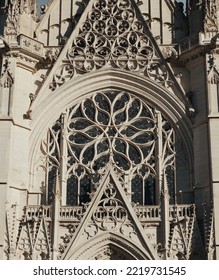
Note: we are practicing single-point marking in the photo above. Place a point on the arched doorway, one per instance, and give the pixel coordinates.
(110, 246)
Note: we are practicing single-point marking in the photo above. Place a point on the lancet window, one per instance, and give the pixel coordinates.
(110, 128)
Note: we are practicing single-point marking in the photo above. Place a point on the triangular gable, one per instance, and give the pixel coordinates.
(178, 243)
(213, 76)
(110, 211)
(6, 79)
(196, 248)
(41, 244)
(33, 241)
(24, 244)
(111, 34)
(186, 239)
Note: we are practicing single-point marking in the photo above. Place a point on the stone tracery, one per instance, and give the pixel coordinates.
(116, 127)
(103, 39)
(111, 36)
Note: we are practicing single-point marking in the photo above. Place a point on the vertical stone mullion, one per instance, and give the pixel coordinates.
(63, 159)
(143, 191)
(47, 170)
(56, 218)
(162, 194)
(78, 191)
(158, 161)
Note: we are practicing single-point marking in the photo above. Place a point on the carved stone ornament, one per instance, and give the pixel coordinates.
(51, 55)
(16, 8)
(213, 73)
(33, 240)
(111, 36)
(6, 79)
(213, 76)
(169, 52)
(111, 214)
(210, 22)
(12, 25)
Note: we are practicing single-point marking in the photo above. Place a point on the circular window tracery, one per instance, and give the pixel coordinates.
(113, 127)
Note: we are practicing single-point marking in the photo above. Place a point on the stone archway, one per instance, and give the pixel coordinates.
(156, 105)
(111, 252)
(44, 113)
(109, 246)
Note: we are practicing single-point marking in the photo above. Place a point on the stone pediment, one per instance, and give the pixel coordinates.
(213, 76)
(6, 80)
(112, 35)
(111, 214)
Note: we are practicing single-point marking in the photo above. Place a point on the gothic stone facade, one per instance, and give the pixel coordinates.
(109, 129)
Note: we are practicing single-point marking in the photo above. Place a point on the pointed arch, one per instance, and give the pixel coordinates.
(112, 245)
(128, 226)
(70, 94)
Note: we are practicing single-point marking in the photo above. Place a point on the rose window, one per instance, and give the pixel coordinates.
(110, 127)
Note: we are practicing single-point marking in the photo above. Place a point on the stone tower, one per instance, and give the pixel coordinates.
(109, 129)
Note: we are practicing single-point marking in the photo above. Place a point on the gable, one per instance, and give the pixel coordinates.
(110, 211)
(112, 35)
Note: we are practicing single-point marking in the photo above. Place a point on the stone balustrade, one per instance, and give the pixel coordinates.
(71, 212)
(190, 42)
(33, 211)
(144, 213)
(183, 210)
